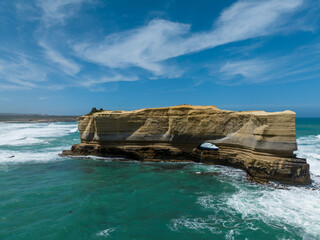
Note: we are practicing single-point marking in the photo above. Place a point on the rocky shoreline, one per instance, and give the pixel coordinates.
(260, 143)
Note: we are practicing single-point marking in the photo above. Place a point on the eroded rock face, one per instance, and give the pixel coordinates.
(260, 143)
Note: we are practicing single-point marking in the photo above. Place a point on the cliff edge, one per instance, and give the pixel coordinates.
(261, 143)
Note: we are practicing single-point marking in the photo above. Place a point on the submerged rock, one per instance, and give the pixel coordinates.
(259, 142)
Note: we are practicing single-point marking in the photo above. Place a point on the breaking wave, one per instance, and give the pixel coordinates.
(22, 134)
(309, 148)
(291, 210)
(34, 142)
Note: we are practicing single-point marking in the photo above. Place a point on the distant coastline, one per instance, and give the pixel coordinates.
(34, 118)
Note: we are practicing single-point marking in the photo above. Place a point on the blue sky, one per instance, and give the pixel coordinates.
(66, 56)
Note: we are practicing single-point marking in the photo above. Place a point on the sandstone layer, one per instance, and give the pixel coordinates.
(261, 143)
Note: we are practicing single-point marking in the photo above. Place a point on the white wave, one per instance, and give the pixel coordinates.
(73, 130)
(296, 207)
(293, 210)
(16, 157)
(309, 148)
(106, 232)
(17, 134)
(98, 158)
(231, 171)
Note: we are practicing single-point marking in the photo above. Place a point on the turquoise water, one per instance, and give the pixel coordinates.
(44, 196)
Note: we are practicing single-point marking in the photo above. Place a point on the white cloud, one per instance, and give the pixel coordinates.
(56, 11)
(249, 19)
(89, 82)
(250, 69)
(20, 72)
(141, 47)
(303, 64)
(148, 46)
(26, 11)
(68, 66)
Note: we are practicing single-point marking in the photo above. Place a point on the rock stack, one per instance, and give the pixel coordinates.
(261, 143)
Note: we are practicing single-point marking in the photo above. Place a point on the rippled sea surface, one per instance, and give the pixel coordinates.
(44, 196)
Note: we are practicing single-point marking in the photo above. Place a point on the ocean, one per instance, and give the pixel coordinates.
(45, 196)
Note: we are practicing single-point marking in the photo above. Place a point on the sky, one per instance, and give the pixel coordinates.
(66, 56)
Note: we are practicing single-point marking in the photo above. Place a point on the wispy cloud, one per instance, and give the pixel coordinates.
(57, 11)
(249, 19)
(275, 69)
(252, 69)
(27, 11)
(159, 40)
(246, 49)
(19, 72)
(10, 87)
(138, 47)
(66, 65)
(147, 51)
(89, 82)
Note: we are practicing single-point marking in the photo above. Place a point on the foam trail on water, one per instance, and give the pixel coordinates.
(7, 156)
(295, 209)
(106, 232)
(197, 224)
(18, 134)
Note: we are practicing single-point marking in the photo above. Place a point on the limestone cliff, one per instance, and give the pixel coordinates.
(259, 142)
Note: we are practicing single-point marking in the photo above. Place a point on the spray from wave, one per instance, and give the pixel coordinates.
(309, 148)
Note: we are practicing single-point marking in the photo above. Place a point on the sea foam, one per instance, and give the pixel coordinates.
(106, 232)
(309, 148)
(293, 209)
(18, 134)
(33, 142)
